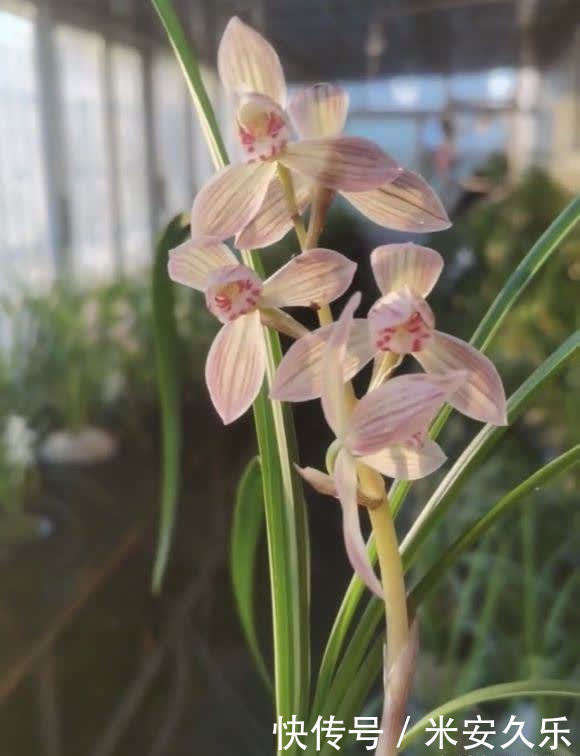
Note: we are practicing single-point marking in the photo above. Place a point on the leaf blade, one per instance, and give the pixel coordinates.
(540, 477)
(247, 525)
(168, 383)
(286, 521)
(533, 688)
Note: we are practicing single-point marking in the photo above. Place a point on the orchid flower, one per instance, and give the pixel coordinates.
(399, 323)
(405, 202)
(250, 69)
(236, 361)
(381, 431)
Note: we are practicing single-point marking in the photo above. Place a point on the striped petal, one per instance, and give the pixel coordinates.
(318, 111)
(407, 462)
(406, 204)
(248, 63)
(299, 375)
(314, 278)
(193, 261)
(230, 199)
(346, 486)
(273, 221)
(341, 163)
(319, 481)
(332, 397)
(399, 265)
(235, 366)
(397, 410)
(482, 396)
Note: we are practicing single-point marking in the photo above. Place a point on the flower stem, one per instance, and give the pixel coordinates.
(399, 658)
(392, 578)
(288, 186)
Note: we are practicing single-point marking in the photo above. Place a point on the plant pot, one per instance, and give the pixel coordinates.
(84, 446)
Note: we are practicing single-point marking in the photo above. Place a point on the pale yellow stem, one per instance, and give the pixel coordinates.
(288, 186)
(398, 663)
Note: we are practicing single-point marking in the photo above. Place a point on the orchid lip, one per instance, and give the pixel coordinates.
(232, 291)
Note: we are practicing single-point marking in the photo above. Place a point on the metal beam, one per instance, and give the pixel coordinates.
(52, 127)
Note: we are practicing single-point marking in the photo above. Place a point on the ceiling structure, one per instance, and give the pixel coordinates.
(352, 39)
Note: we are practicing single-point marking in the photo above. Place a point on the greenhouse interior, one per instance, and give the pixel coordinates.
(184, 551)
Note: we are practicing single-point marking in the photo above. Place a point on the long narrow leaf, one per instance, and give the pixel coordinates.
(167, 366)
(480, 447)
(247, 525)
(472, 534)
(529, 688)
(286, 521)
(516, 284)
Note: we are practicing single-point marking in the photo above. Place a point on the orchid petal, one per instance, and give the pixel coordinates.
(318, 111)
(333, 400)
(399, 265)
(230, 199)
(319, 481)
(397, 410)
(192, 262)
(235, 366)
(299, 374)
(312, 279)
(405, 204)
(273, 220)
(341, 163)
(248, 63)
(346, 485)
(407, 462)
(482, 396)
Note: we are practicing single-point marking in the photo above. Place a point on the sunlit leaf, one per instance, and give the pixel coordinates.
(168, 382)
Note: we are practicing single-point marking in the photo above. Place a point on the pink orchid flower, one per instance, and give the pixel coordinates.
(399, 323)
(382, 431)
(404, 202)
(236, 361)
(250, 69)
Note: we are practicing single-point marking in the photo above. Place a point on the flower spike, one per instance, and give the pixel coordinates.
(385, 430)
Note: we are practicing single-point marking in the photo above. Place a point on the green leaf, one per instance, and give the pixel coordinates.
(512, 290)
(286, 521)
(168, 382)
(248, 521)
(480, 447)
(476, 531)
(529, 688)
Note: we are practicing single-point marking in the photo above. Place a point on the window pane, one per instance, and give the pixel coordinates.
(81, 59)
(129, 114)
(24, 250)
(395, 135)
(173, 141)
